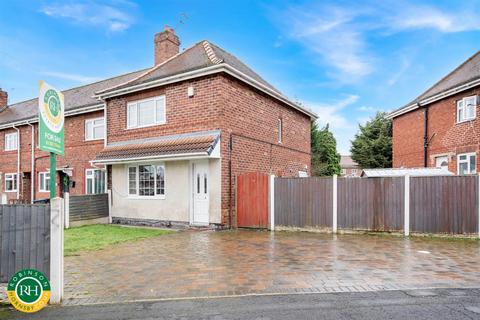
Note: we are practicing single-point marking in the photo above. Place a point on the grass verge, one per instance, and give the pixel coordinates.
(99, 236)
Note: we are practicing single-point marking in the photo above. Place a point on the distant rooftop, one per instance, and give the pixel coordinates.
(348, 162)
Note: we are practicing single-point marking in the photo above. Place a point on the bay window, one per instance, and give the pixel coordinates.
(146, 180)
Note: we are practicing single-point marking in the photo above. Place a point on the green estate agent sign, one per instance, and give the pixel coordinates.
(51, 117)
(51, 109)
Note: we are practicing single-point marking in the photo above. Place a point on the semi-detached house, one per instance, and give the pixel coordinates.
(441, 127)
(168, 141)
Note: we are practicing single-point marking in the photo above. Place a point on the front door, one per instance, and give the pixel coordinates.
(200, 192)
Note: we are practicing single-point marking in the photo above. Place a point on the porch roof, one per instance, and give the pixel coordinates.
(177, 146)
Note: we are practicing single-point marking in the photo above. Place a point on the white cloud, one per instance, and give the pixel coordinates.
(366, 109)
(112, 18)
(340, 34)
(69, 76)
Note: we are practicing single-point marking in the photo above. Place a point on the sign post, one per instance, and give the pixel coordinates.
(51, 114)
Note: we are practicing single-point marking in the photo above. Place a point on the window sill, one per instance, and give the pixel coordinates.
(99, 139)
(146, 197)
(148, 126)
(10, 150)
(43, 191)
(466, 120)
(10, 191)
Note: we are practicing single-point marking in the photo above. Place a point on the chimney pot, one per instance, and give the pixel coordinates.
(3, 100)
(167, 44)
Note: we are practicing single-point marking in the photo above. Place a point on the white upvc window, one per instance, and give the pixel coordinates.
(467, 163)
(95, 181)
(11, 141)
(11, 182)
(280, 130)
(44, 181)
(147, 112)
(354, 172)
(95, 129)
(467, 109)
(146, 180)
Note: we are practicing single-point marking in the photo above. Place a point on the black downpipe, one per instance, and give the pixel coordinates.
(425, 138)
(230, 148)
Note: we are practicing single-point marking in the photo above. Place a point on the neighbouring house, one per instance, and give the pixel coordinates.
(440, 128)
(349, 168)
(168, 141)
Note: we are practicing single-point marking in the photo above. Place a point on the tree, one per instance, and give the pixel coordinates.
(372, 145)
(325, 159)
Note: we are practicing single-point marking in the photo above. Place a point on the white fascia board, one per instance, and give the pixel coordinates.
(203, 72)
(70, 113)
(435, 98)
(185, 156)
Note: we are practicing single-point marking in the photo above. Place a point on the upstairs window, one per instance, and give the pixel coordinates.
(467, 163)
(467, 109)
(145, 113)
(11, 141)
(10, 182)
(95, 129)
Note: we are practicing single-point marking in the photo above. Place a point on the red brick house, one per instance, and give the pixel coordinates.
(349, 168)
(441, 128)
(167, 140)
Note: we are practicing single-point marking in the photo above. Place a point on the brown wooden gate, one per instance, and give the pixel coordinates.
(252, 200)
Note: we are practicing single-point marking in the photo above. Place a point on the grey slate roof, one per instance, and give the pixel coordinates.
(74, 98)
(466, 72)
(201, 55)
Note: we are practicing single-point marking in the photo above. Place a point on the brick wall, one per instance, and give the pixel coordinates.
(446, 136)
(78, 153)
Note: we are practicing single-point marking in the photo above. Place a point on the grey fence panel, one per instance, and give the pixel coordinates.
(303, 202)
(24, 239)
(86, 207)
(444, 204)
(375, 204)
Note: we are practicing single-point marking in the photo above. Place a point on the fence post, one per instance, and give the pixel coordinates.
(4, 199)
(406, 209)
(271, 202)
(109, 192)
(66, 196)
(334, 206)
(478, 205)
(56, 249)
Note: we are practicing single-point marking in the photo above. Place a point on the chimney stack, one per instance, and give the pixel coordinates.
(3, 100)
(167, 44)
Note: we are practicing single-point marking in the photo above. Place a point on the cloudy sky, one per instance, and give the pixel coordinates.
(345, 60)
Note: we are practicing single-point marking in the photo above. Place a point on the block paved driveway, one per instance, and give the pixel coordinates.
(208, 263)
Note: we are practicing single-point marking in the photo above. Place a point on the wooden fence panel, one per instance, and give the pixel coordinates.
(86, 207)
(303, 202)
(24, 239)
(444, 204)
(375, 204)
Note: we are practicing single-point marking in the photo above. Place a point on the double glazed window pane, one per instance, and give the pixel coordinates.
(132, 180)
(146, 181)
(160, 183)
(146, 112)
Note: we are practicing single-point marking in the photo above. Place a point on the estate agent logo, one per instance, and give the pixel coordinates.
(51, 108)
(28, 290)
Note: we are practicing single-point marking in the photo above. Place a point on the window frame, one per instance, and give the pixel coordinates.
(93, 180)
(464, 109)
(468, 154)
(354, 172)
(42, 178)
(15, 141)
(137, 118)
(280, 130)
(137, 181)
(14, 179)
(92, 121)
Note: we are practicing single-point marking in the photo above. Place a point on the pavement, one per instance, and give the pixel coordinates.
(436, 304)
(236, 263)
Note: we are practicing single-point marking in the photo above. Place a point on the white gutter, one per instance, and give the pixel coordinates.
(168, 157)
(203, 72)
(18, 161)
(434, 98)
(32, 178)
